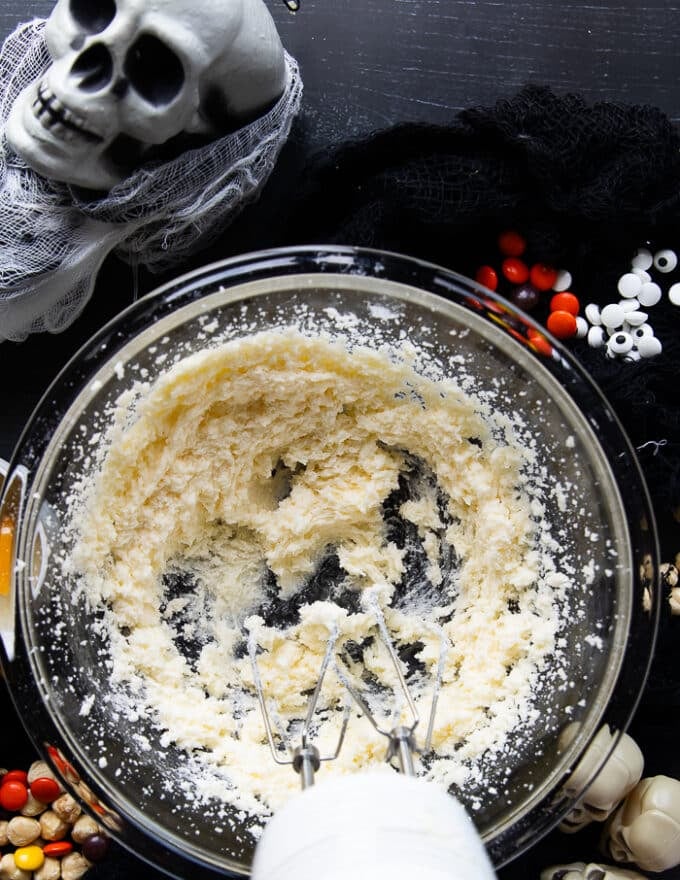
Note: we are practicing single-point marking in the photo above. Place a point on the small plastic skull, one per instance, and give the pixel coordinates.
(618, 776)
(670, 578)
(592, 871)
(129, 75)
(646, 828)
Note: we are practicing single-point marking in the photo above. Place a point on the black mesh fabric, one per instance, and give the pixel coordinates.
(585, 184)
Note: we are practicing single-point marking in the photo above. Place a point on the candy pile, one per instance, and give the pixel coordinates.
(49, 836)
(622, 327)
(526, 285)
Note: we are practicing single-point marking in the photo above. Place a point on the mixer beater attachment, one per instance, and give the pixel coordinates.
(305, 758)
(401, 738)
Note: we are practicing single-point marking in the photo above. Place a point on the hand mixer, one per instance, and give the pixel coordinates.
(372, 824)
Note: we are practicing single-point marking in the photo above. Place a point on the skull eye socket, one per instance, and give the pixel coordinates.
(93, 16)
(154, 70)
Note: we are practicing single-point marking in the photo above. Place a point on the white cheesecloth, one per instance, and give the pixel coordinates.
(53, 241)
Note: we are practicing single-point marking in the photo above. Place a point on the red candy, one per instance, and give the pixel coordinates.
(516, 271)
(538, 342)
(565, 302)
(511, 243)
(13, 795)
(15, 775)
(542, 277)
(45, 789)
(487, 276)
(58, 848)
(561, 324)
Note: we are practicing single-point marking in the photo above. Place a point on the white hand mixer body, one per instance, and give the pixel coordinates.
(378, 824)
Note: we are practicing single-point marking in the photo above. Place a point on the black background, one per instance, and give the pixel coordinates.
(367, 64)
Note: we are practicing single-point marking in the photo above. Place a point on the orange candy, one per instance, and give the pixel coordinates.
(58, 848)
(561, 324)
(565, 302)
(542, 277)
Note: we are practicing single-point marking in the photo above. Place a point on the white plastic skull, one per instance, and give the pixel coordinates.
(670, 577)
(591, 871)
(618, 776)
(646, 828)
(127, 75)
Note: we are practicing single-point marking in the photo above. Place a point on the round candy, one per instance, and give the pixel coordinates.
(525, 297)
(13, 795)
(641, 331)
(629, 305)
(16, 776)
(565, 302)
(581, 327)
(634, 319)
(643, 259)
(596, 336)
(592, 312)
(45, 789)
(649, 346)
(674, 294)
(665, 260)
(58, 848)
(612, 316)
(629, 285)
(650, 294)
(620, 343)
(511, 243)
(563, 280)
(542, 277)
(29, 858)
(538, 342)
(95, 847)
(487, 276)
(561, 324)
(515, 270)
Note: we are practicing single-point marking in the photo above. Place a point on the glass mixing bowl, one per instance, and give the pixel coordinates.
(56, 665)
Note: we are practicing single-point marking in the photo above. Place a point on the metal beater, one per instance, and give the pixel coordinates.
(382, 826)
(305, 758)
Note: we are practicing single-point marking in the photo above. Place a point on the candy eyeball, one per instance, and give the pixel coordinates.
(641, 331)
(619, 343)
(665, 260)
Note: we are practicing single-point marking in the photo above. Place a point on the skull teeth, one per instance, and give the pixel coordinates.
(59, 119)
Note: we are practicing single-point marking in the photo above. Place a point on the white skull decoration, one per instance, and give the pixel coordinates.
(618, 776)
(128, 75)
(592, 871)
(646, 828)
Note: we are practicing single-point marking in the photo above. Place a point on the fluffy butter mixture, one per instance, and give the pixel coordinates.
(264, 489)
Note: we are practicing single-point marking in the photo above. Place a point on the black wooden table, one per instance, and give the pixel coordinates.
(366, 65)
